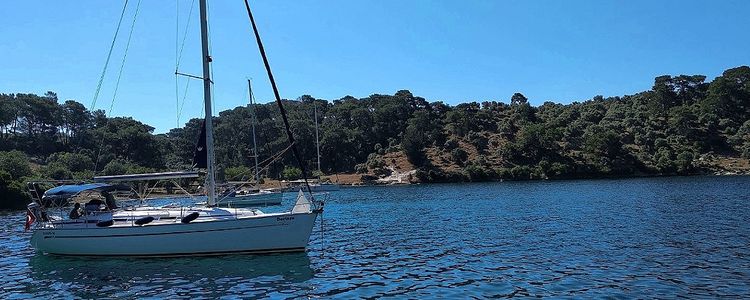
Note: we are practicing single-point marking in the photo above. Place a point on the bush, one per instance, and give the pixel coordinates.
(238, 173)
(684, 162)
(58, 171)
(120, 167)
(600, 142)
(476, 172)
(450, 144)
(375, 163)
(478, 140)
(661, 143)
(558, 170)
(74, 162)
(291, 173)
(12, 195)
(15, 164)
(115, 167)
(664, 161)
(459, 156)
(382, 172)
(361, 168)
(521, 173)
(437, 175)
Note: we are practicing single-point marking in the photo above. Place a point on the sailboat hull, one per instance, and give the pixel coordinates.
(275, 233)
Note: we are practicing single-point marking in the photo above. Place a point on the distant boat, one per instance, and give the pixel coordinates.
(320, 186)
(254, 197)
(101, 228)
(315, 187)
(251, 198)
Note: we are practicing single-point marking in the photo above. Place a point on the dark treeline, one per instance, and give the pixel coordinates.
(666, 130)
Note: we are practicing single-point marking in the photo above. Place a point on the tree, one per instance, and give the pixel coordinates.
(9, 111)
(661, 130)
(131, 140)
(533, 143)
(420, 133)
(518, 99)
(76, 120)
(39, 119)
(729, 94)
(602, 142)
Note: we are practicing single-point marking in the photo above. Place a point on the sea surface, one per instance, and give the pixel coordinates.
(655, 237)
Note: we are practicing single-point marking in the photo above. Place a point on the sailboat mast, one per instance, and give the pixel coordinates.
(255, 145)
(317, 141)
(211, 181)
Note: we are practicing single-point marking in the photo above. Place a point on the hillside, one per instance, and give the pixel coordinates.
(683, 125)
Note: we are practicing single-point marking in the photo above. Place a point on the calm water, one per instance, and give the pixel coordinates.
(622, 238)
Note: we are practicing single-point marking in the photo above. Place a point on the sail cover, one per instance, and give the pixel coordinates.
(147, 176)
(200, 157)
(67, 191)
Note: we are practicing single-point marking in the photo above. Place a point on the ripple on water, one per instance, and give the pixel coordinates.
(620, 238)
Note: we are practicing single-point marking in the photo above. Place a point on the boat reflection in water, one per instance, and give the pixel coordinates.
(80, 277)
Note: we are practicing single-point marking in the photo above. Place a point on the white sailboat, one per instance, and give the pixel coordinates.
(102, 229)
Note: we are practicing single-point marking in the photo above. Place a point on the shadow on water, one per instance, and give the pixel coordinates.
(87, 276)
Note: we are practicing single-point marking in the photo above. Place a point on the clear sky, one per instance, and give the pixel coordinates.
(452, 51)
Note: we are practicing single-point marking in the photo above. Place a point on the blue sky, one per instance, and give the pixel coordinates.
(452, 51)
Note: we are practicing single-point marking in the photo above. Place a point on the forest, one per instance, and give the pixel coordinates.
(683, 125)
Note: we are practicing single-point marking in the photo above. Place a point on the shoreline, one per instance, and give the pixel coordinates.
(361, 184)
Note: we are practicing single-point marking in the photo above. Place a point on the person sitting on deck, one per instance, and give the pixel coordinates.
(109, 200)
(76, 212)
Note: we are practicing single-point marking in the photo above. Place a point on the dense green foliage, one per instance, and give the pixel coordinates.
(665, 130)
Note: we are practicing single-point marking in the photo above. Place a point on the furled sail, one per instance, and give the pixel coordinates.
(200, 157)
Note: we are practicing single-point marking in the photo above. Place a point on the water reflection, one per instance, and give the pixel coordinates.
(207, 276)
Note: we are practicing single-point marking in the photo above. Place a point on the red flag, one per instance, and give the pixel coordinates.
(29, 220)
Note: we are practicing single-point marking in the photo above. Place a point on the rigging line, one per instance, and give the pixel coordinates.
(289, 134)
(124, 56)
(213, 92)
(109, 55)
(177, 31)
(184, 36)
(264, 169)
(119, 76)
(178, 60)
(182, 105)
(266, 163)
